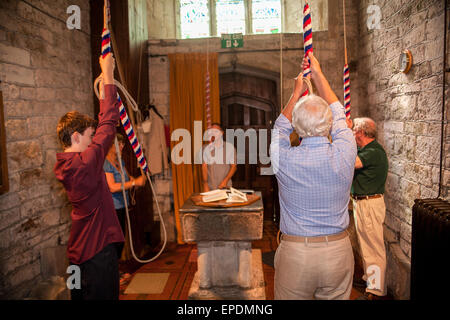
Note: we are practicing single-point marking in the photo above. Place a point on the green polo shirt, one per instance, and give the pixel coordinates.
(370, 179)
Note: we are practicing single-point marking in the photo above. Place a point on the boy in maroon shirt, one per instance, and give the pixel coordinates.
(95, 227)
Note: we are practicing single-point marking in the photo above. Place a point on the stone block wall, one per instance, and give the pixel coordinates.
(45, 71)
(161, 19)
(164, 199)
(408, 112)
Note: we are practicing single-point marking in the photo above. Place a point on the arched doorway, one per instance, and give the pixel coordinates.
(249, 99)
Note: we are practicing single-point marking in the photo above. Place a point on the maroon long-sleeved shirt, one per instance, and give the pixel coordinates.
(94, 219)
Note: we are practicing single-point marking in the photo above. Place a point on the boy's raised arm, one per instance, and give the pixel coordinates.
(107, 117)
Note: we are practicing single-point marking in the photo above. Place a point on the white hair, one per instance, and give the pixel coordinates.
(366, 125)
(312, 117)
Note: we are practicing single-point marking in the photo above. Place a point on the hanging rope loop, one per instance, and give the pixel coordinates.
(308, 83)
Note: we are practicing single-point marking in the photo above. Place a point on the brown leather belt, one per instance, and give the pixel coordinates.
(374, 196)
(333, 237)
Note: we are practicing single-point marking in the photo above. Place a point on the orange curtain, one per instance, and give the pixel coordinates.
(187, 104)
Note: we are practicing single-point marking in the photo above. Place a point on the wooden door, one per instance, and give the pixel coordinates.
(249, 102)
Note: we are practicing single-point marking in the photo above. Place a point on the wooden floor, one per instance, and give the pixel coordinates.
(180, 261)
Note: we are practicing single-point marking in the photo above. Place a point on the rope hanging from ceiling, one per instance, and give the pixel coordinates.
(106, 49)
(207, 89)
(307, 39)
(346, 73)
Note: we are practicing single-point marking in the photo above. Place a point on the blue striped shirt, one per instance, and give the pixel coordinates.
(314, 179)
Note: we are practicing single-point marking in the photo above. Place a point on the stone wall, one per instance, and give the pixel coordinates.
(262, 53)
(161, 19)
(45, 71)
(408, 112)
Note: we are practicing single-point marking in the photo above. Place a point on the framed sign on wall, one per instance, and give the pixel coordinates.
(4, 184)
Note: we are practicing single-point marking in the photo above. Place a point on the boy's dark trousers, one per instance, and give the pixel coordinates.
(99, 276)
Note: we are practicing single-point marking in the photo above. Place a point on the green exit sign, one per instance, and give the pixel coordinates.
(233, 40)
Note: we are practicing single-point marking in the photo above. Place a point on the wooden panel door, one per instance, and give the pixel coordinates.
(248, 102)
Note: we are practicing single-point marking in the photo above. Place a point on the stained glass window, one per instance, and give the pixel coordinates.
(230, 16)
(194, 17)
(266, 16)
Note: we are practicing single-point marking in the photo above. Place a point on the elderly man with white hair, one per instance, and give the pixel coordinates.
(314, 259)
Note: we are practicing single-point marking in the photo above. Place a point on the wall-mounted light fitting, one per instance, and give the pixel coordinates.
(405, 62)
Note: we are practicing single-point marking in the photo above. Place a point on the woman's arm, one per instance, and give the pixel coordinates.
(117, 186)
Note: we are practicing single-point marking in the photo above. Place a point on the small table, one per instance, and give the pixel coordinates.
(228, 268)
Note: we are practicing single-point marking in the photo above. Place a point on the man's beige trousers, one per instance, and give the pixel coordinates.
(369, 217)
(309, 271)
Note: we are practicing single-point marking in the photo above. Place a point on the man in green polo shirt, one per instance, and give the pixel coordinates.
(369, 210)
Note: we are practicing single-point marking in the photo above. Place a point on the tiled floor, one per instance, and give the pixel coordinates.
(181, 262)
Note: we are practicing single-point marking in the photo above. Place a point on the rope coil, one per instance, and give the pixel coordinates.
(309, 85)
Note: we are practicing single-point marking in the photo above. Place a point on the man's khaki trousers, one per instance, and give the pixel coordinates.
(369, 217)
(314, 271)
